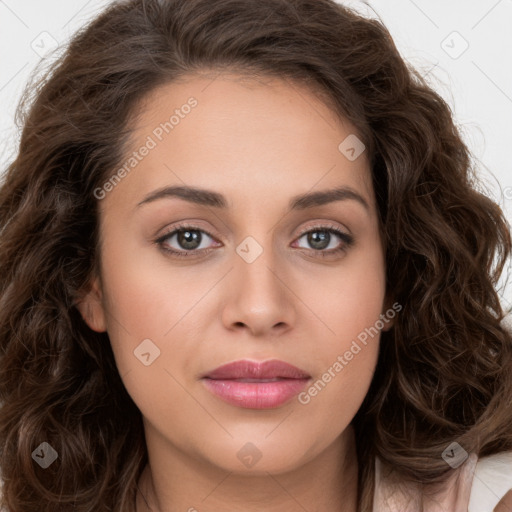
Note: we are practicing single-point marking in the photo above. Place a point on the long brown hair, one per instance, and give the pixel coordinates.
(444, 372)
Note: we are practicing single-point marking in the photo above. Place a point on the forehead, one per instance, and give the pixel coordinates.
(252, 104)
(259, 135)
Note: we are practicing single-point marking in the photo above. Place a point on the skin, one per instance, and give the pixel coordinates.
(259, 144)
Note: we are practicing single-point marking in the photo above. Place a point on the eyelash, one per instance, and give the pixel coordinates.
(347, 240)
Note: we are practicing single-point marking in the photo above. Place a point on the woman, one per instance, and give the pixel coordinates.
(245, 265)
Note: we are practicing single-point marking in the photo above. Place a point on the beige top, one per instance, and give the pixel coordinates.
(477, 485)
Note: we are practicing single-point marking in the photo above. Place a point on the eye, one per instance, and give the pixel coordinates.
(184, 240)
(322, 239)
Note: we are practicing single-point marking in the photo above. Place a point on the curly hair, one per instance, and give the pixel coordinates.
(444, 371)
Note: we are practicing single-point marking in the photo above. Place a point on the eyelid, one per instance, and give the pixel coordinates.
(324, 225)
(171, 231)
(192, 225)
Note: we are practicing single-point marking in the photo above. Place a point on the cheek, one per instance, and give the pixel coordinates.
(346, 370)
(332, 400)
(348, 299)
(144, 295)
(350, 307)
(346, 367)
(137, 306)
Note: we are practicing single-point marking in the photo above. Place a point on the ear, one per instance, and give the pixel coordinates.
(91, 307)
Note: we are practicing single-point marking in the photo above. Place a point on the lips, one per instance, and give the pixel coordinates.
(245, 369)
(256, 385)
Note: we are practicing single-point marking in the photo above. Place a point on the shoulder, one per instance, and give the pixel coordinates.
(491, 490)
(478, 485)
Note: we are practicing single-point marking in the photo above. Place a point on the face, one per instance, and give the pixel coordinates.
(254, 259)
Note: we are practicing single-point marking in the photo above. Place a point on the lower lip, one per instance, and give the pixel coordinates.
(256, 395)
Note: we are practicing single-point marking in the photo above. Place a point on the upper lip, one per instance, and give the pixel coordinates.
(245, 369)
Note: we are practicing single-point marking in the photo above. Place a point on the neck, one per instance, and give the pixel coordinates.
(181, 483)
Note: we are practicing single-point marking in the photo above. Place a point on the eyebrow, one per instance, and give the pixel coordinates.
(215, 199)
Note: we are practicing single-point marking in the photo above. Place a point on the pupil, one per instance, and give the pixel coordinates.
(319, 239)
(189, 240)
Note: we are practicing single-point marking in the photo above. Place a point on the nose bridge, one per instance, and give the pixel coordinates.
(258, 297)
(256, 265)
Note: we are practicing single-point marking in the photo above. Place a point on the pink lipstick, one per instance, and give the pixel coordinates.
(256, 385)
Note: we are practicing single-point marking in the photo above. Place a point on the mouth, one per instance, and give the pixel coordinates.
(256, 385)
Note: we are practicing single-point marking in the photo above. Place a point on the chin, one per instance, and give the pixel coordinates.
(258, 458)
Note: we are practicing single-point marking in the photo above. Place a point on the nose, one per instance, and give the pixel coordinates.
(258, 297)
